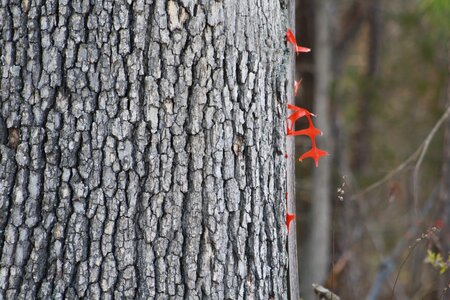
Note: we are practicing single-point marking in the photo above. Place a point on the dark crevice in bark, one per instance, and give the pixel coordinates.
(168, 91)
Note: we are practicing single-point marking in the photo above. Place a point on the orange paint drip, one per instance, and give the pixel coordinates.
(290, 37)
(289, 219)
(315, 153)
(312, 132)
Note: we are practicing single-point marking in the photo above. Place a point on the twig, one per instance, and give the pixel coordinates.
(411, 249)
(420, 151)
(324, 293)
(424, 147)
(388, 264)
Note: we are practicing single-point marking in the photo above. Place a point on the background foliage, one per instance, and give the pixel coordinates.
(403, 98)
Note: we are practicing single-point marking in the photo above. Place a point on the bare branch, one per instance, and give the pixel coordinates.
(324, 293)
(387, 266)
(419, 153)
(425, 146)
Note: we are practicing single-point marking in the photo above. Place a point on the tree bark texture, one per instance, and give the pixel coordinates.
(142, 149)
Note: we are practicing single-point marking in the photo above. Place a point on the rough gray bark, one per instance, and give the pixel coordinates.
(317, 242)
(142, 149)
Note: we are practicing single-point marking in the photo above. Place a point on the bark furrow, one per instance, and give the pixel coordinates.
(142, 149)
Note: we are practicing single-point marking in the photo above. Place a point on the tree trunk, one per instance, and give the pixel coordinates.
(361, 139)
(291, 205)
(142, 149)
(317, 242)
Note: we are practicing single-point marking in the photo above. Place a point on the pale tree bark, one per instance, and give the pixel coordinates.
(143, 149)
(317, 243)
(294, 283)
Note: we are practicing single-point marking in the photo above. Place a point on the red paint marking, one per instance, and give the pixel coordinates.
(289, 219)
(290, 37)
(311, 132)
(315, 153)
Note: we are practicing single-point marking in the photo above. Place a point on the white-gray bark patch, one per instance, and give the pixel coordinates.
(146, 160)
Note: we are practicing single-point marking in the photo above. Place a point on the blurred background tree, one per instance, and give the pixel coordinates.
(388, 87)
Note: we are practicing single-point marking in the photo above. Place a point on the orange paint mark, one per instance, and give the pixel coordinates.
(290, 37)
(311, 132)
(289, 219)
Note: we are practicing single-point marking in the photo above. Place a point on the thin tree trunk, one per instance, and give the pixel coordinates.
(361, 149)
(294, 283)
(317, 243)
(142, 149)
